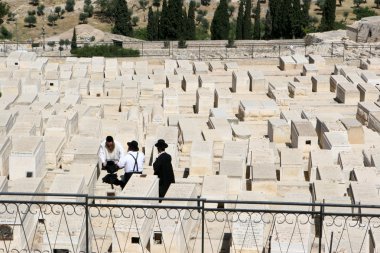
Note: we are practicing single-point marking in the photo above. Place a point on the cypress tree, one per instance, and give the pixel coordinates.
(275, 14)
(297, 19)
(247, 23)
(123, 24)
(305, 13)
(286, 19)
(257, 27)
(239, 21)
(220, 25)
(156, 25)
(268, 25)
(175, 20)
(328, 15)
(164, 21)
(74, 40)
(150, 26)
(191, 21)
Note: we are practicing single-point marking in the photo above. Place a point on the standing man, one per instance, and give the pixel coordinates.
(110, 151)
(163, 168)
(132, 162)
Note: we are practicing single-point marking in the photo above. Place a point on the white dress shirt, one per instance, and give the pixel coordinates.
(115, 155)
(127, 162)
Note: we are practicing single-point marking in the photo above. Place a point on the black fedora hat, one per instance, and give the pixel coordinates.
(161, 144)
(133, 145)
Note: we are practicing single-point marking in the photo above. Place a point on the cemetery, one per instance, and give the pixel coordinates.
(300, 129)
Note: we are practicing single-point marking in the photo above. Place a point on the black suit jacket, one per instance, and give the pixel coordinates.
(164, 170)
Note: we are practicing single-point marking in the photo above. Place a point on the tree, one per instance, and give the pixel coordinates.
(239, 21)
(377, 2)
(257, 25)
(164, 21)
(4, 10)
(156, 3)
(297, 19)
(88, 8)
(51, 44)
(83, 17)
(328, 16)
(67, 43)
(268, 25)
(61, 42)
(175, 18)
(74, 40)
(30, 20)
(305, 13)
(275, 18)
(57, 10)
(40, 10)
(358, 3)
(69, 7)
(191, 21)
(123, 24)
(52, 18)
(247, 23)
(150, 26)
(205, 2)
(286, 19)
(220, 25)
(135, 20)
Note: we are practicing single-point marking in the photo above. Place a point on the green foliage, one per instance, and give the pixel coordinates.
(257, 25)
(74, 40)
(151, 33)
(69, 7)
(83, 17)
(135, 20)
(205, 2)
(247, 23)
(297, 19)
(231, 10)
(239, 21)
(201, 33)
(61, 42)
(40, 10)
(175, 19)
(52, 18)
(51, 44)
(377, 2)
(4, 33)
(340, 25)
(231, 43)
(4, 10)
(220, 24)
(182, 43)
(190, 31)
(164, 21)
(57, 10)
(88, 8)
(30, 20)
(34, 2)
(123, 23)
(156, 3)
(140, 33)
(31, 12)
(364, 12)
(358, 3)
(105, 51)
(11, 16)
(328, 16)
(67, 43)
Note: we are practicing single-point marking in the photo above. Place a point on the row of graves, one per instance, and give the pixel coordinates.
(304, 130)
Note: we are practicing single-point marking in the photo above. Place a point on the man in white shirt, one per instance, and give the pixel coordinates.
(132, 162)
(110, 150)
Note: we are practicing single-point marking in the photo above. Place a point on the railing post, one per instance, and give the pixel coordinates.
(321, 213)
(305, 50)
(332, 49)
(344, 50)
(279, 50)
(203, 226)
(252, 51)
(87, 228)
(142, 48)
(370, 50)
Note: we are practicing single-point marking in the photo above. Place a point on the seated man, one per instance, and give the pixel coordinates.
(110, 151)
(132, 162)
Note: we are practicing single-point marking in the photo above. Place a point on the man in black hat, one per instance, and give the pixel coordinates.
(163, 168)
(132, 162)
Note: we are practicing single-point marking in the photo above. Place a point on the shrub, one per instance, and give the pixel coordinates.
(364, 12)
(105, 51)
(4, 33)
(182, 43)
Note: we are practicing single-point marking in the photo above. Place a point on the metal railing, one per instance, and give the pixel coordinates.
(82, 223)
(218, 50)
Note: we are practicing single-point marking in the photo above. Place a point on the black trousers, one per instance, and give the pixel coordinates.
(128, 176)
